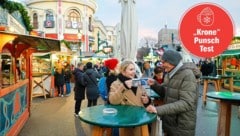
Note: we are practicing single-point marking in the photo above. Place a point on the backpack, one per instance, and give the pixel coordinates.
(102, 87)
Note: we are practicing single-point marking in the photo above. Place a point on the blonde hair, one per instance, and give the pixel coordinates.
(125, 64)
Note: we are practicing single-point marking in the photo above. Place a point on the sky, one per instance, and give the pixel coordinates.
(155, 14)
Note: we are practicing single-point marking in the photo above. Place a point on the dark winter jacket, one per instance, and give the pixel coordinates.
(206, 68)
(67, 76)
(59, 78)
(180, 92)
(109, 80)
(79, 89)
(91, 77)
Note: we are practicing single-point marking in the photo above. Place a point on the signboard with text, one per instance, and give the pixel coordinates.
(206, 30)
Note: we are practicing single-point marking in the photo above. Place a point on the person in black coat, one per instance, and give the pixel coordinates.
(90, 78)
(111, 72)
(67, 77)
(206, 68)
(111, 76)
(79, 89)
(59, 81)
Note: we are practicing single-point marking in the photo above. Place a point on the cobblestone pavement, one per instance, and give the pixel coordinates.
(54, 117)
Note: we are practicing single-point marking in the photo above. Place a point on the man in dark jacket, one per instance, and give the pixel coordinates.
(180, 93)
(79, 89)
(206, 67)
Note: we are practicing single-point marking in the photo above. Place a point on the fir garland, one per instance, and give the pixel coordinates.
(12, 6)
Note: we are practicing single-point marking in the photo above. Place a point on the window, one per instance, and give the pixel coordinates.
(49, 22)
(74, 16)
(73, 19)
(90, 24)
(7, 77)
(49, 15)
(35, 21)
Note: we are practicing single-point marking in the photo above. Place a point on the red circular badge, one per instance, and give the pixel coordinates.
(206, 30)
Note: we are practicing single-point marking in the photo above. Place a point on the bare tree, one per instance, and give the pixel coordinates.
(145, 44)
(150, 42)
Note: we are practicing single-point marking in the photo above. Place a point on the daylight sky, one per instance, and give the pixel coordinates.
(154, 14)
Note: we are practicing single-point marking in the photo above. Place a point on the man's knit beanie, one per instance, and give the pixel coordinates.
(172, 57)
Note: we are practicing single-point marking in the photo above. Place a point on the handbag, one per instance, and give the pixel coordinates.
(92, 79)
(156, 129)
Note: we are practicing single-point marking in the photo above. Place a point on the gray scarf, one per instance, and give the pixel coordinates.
(179, 65)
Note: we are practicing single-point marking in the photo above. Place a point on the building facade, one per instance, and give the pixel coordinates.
(168, 37)
(100, 33)
(71, 21)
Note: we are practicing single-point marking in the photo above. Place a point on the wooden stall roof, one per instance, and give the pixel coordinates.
(231, 52)
(40, 44)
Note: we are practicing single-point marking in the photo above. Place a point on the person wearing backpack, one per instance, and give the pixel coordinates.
(79, 88)
(102, 87)
(109, 76)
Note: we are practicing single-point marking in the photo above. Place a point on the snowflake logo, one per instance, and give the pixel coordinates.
(206, 20)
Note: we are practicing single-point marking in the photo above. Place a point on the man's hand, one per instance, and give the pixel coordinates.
(151, 109)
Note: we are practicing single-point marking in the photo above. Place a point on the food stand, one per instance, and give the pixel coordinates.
(41, 74)
(229, 61)
(15, 86)
(44, 65)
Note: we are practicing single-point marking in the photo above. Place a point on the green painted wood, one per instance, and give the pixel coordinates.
(224, 95)
(211, 77)
(126, 116)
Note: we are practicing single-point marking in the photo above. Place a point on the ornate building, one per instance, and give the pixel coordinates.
(67, 20)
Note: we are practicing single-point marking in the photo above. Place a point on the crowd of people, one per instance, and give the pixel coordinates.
(208, 67)
(174, 80)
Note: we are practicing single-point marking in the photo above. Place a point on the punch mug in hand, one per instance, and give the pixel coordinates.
(150, 81)
(145, 98)
(135, 82)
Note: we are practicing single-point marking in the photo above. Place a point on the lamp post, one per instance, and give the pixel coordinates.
(98, 36)
(100, 42)
(80, 43)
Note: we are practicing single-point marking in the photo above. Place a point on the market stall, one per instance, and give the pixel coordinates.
(229, 63)
(15, 86)
(43, 68)
(60, 60)
(41, 74)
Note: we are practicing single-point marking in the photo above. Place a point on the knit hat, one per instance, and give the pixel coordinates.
(172, 57)
(111, 63)
(89, 65)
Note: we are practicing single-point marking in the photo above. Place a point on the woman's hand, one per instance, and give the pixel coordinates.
(150, 81)
(145, 99)
(151, 109)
